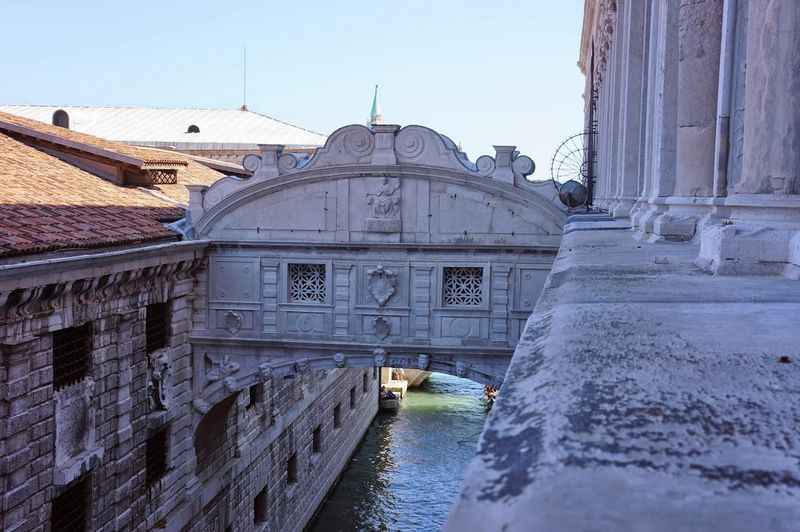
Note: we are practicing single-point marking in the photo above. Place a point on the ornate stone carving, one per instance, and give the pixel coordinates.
(359, 142)
(76, 447)
(382, 327)
(385, 207)
(251, 162)
(265, 372)
(461, 369)
(340, 360)
(382, 284)
(379, 357)
(423, 361)
(159, 368)
(409, 143)
(220, 369)
(233, 321)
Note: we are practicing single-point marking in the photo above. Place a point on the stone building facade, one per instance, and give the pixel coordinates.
(694, 104)
(654, 386)
(99, 426)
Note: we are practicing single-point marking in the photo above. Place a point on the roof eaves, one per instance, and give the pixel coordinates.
(80, 146)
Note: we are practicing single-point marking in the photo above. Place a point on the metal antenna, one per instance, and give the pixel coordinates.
(244, 79)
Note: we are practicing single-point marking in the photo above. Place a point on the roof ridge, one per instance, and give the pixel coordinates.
(270, 117)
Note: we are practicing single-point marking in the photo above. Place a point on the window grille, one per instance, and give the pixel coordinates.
(69, 510)
(307, 283)
(156, 457)
(163, 177)
(316, 440)
(463, 286)
(157, 326)
(291, 469)
(260, 506)
(72, 355)
(337, 416)
(352, 397)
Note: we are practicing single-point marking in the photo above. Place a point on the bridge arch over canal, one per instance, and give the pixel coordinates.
(386, 247)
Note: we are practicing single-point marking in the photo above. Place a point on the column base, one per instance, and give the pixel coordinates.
(761, 236)
(747, 249)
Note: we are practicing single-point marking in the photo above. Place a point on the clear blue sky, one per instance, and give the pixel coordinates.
(483, 72)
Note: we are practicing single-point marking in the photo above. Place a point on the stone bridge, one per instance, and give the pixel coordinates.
(386, 247)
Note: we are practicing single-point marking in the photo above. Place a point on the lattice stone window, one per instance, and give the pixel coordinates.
(307, 283)
(462, 285)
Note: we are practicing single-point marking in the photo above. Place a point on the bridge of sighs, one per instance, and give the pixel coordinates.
(386, 247)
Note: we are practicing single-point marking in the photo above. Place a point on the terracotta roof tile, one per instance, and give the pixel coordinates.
(49, 205)
(149, 157)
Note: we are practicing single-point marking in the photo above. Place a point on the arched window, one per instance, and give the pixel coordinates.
(61, 119)
(193, 129)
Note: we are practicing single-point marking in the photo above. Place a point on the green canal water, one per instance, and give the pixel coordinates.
(407, 472)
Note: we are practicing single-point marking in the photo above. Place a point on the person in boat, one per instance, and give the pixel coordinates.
(387, 394)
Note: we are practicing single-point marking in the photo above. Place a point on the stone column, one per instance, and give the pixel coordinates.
(772, 101)
(661, 114)
(699, 40)
(631, 82)
(762, 235)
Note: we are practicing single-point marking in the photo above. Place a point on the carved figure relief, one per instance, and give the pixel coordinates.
(461, 369)
(265, 372)
(382, 284)
(159, 368)
(385, 207)
(76, 447)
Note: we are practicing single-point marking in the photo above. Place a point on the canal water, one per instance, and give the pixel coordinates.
(407, 472)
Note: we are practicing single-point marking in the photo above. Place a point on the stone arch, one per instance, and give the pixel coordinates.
(215, 432)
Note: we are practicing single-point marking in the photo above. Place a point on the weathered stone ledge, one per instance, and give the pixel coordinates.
(645, 395)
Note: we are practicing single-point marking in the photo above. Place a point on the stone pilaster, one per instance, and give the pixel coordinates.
(699, 40)
(762, 235)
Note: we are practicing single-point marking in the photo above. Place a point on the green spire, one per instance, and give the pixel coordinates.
(375, 116)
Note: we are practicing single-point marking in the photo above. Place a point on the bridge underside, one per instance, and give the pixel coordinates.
(233, 365)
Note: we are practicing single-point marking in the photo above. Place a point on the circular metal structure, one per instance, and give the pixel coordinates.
(570, 162)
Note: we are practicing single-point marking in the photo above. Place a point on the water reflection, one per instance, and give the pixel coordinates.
(407, 471)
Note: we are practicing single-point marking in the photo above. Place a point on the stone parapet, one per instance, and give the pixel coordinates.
(643, 395)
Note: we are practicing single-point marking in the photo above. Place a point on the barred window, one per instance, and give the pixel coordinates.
(72, 355)
(291, 469)
(69, 510)
(260, 506)
(157, 326)
(255, 395)
(337, 416)
(307, 283)
(463, 286)
(316, 440)
(364, 385)
(352, 397)
(156, 456)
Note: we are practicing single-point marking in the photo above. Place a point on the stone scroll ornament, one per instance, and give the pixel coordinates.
(379, 356)
(160, 369)
(382, 284)
(384, 205)
(220, 369)
(339, 359)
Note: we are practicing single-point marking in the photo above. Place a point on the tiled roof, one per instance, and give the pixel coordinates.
(190, 172)
(161, 127)
(48, 205)
(148, 157)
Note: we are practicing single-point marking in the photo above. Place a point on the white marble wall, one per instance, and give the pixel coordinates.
(698, 128)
